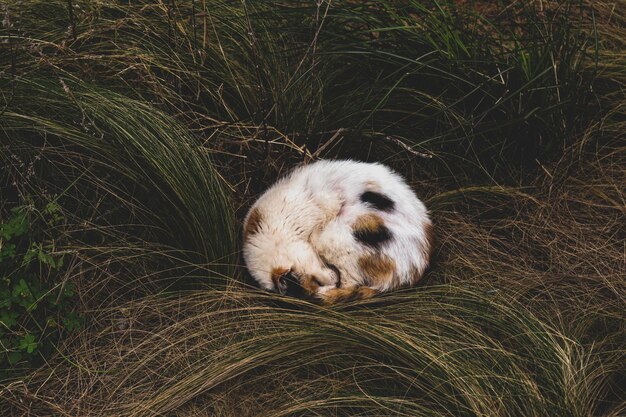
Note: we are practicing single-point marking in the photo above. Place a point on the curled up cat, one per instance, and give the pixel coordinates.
(338, 231)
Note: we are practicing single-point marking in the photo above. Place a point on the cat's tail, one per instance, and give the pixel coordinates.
(343, 295)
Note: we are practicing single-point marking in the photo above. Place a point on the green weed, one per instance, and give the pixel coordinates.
(36, 304)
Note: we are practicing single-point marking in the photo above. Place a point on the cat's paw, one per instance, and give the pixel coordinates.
(327, 277)
(322, 291)
(322, 280)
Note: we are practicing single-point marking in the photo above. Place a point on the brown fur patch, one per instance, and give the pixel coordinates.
(368, 222)
(277, 274)
(310, 284)
(377, 268)
(371, 230)
(428, 248)
(253, 224)
(342, 295)
(415, 275)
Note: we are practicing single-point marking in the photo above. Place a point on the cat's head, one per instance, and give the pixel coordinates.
(282, 262)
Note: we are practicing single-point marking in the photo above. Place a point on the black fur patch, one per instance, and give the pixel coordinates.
(375, 237)
(379, 201)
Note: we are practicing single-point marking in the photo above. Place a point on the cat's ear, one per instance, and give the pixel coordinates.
(279, 278)
(253, 223)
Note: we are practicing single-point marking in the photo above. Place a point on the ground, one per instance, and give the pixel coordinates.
(135, 135)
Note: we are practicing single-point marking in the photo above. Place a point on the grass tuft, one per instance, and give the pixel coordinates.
(152, 126)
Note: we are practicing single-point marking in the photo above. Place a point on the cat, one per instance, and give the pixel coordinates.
(338, 230)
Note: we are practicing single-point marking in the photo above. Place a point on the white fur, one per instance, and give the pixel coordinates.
(307, 220)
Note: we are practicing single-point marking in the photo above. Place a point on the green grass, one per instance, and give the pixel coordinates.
(154, 125)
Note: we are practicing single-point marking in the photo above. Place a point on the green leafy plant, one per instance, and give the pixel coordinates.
(35, 306)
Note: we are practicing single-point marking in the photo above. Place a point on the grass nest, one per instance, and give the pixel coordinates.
(154, 125)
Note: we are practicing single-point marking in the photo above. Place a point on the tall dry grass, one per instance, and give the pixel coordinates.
(154, 125)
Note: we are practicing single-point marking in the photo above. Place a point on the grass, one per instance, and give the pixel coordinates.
(153, 125)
